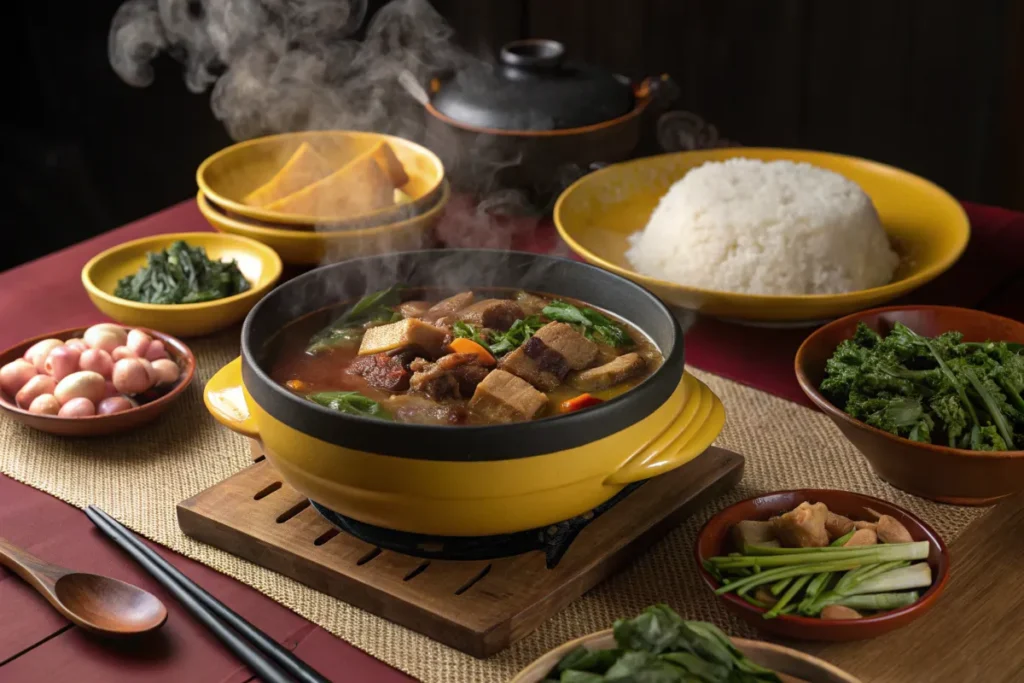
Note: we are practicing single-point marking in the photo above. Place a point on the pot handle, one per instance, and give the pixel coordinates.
(693, 430)
(226, 399)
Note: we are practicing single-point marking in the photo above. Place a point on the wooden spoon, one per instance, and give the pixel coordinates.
(96, 603)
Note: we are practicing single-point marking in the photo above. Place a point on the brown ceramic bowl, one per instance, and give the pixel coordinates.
(947, 475)
(791, 665)
(715, 539)
(101, 425)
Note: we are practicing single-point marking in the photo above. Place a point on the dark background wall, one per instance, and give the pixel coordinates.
(934, 86)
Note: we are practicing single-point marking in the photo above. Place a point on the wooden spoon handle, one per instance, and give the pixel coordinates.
(39, 574)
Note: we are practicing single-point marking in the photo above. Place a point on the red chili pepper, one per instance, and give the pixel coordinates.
(580, 402)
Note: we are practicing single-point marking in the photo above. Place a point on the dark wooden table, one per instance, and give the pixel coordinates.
(973, 634)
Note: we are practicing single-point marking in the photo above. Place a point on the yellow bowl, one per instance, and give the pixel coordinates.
(926, 226)
(260, 265)
(232, 173)
(299, 247)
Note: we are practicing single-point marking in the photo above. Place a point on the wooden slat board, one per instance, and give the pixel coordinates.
(477, 607)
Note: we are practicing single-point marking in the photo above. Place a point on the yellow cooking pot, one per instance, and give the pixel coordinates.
(466, 480)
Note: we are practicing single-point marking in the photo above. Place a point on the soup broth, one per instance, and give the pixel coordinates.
(482, 356)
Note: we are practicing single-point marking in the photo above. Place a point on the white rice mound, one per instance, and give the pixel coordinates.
(772, 228)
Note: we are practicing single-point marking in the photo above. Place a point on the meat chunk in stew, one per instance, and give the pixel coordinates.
(448, 307)
(618, 370)
(521, 365)
(382, 371)
(408, 332)
(548, 356)
(531, 303)
(413, 309)
(578, 351)
(496, 314)
(503, 397)
(453, 376)
(417, 409)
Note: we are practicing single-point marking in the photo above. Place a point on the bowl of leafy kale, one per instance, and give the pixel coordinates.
(932, 396)
(659, 645)
(185, 284)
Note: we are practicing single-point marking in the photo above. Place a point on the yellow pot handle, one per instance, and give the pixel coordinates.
(696, 427)
(227, 401)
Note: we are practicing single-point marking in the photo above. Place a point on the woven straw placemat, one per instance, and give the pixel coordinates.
(140, 477)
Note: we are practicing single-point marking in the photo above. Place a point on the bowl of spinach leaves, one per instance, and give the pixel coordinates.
(659, 645)
(932, 396)
(185, 284)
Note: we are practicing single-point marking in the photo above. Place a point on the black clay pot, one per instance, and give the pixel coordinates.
(535, 120)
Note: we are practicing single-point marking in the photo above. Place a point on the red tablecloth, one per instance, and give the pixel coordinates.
(44, 295)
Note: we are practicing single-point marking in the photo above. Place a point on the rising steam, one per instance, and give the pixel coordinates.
(285, 65)
(277, 66)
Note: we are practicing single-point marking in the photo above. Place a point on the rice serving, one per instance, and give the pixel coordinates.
(757, 227)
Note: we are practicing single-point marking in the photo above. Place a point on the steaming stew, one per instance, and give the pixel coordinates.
(470, 357)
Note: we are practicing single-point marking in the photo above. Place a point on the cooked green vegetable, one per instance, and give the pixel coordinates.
(182, 274)
(467, 331)
(803, 575)
(347, 330)
(500, 343)
(658, 646)
(935, 390)
(350, 402)
(592, 324)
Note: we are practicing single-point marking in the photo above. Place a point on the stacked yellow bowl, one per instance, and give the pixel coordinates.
(322, 196)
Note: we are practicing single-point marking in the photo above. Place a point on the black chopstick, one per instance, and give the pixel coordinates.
(210, 611)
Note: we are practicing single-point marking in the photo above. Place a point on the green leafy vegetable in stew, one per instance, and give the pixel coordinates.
(592, 324)
(372, 309)
(660, 647)
(350, 402)
(516, 336)
(938, 390)
(501, 343)
(182, 274)
(467, 331)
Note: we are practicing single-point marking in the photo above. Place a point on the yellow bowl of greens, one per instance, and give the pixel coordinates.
(185, 284)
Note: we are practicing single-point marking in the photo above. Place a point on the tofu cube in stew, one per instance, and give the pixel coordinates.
(524, 367)
(497, 314)
(578, 351)
(503, 397)
(448, 307)
(408, 332)
(626, 366)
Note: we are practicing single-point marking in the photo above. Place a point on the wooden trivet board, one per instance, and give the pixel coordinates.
(478, 607)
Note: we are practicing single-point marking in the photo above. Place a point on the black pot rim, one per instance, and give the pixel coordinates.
(465, 443)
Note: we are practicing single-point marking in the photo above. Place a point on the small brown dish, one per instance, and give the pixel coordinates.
(791, 665)
(948, 475)
(715, 539)
(101, 425)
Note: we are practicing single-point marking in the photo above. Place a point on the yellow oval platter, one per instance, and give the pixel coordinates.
(927, 227)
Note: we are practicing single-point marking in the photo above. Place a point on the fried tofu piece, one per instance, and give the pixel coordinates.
(407, 332)
(503, 397)
(837, 525)
(358, 187)
(803, 526)
(618, 370)
(389, 163)
(578, 351)
(524, 367)
(305, 167)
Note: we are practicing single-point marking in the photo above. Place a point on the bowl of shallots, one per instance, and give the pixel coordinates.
(92, 381)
